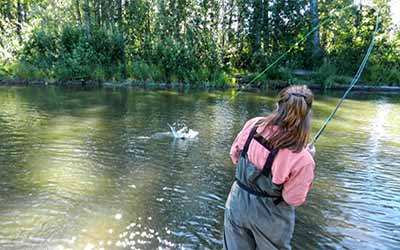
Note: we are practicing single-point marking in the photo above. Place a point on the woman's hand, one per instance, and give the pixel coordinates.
(311, 150)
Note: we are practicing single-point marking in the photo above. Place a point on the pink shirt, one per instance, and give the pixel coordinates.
(294, 170)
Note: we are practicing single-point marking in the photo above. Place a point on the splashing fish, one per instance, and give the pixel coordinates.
(183, 133)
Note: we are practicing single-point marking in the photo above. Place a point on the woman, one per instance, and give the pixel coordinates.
(274, 172)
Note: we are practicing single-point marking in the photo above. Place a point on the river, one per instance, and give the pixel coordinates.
(94, 169)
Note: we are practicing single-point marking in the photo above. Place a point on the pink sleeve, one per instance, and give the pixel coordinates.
(235, 150)
(241, 138)
(297, 186)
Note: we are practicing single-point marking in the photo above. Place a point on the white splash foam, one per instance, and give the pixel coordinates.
(183, 133)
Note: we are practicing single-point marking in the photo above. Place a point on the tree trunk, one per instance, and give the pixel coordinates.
(111, 16)
(19, 20)
(101, 18)
(224, 21)
(323, 39)
(96, 5)
(8, 9)
(265, 27)
(315, 40)
(230, 21)
(78, 12)
(239, 31)
(25, 10)
(121, 31)
(256, 26)
(276, 28)
(119, 14)
(87, 18)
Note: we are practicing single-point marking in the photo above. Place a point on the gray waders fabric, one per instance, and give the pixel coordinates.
(256, 217)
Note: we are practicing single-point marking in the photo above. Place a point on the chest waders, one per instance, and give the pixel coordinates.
(256, 217)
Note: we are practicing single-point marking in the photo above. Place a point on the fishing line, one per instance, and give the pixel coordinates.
(286, 52)
(289, 50)
(352, 83)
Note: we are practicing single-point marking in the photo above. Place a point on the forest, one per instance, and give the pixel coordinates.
(191, 42)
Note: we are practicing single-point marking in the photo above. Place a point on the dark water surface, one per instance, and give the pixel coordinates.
(90, 170)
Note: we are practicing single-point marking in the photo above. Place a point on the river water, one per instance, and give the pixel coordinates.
(94, 170)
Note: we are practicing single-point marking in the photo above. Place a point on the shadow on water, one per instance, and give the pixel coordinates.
(80, 169)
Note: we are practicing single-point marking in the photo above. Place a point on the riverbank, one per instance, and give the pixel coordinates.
(81, 84)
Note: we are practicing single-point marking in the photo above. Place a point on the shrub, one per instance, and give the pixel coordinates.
(174, 78)
(392, 77)
(186, 60)
(156, 73)
(285, 74)
(341, 79)
(222, 79)
(3, 72)
(41, 49)
(272, 73)
(379, 74)
(324, 75)
(142, 71)
(24, 70)
(99, 74)
(69, 55)
(77, 64)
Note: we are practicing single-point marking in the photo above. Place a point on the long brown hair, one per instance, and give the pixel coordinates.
(290, 122)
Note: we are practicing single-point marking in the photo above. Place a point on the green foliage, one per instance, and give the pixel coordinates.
(24, 70)
(222, 79)
(193, 41)
(40, 49)
(339, 79)
(378, 74)
(144, 72)
(2, 73)
(186, 61)
(275, 74)
(324, 75)
(75, 64)
(392, 77)
(4, 69)
(70, 55)
(285, 74)
(99, 74)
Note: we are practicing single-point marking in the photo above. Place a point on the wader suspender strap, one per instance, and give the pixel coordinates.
(266, 169)
(272, 152)
(248, 141)
(268, 163)
(260, 139)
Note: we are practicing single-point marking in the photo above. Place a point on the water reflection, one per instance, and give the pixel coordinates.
(81, 170)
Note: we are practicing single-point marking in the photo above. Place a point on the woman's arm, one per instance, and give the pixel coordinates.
(296, 188)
